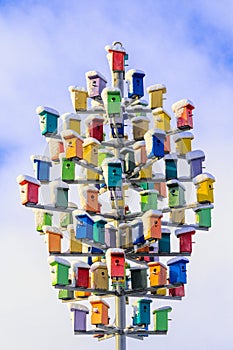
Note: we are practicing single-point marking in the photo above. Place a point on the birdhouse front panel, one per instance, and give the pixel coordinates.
(177, 292)
(117, 266)
(65, 294)
(140, 127)
(176, 193)
(158, 274)
(152, 224)
(78, 98)
(95, 129)
(83, 294)
(114, 178)
(148, 200)
(185, 118)
(91, 201)
(43, 218)
(164, 243)
(68, 170)
(117, 128)
(125, 232)
(177, 270)
(74, 148)
(161, 318)
(99, 315)
(156, 93)
(75, 125)
(82, 277)
(65, 219)
(83, 226)
(99, 276)
(79, 320)
(54, 242)
(170, 169)
(114, 103)
(56, 147)
(62, 198)
(137, 232)
(177, 216)
(75, 245)
(205, 188)
(42, 169)
(59, 269)
(138, 277)
(118, 61)
(161, 119)
(99, 231)
(183, 142)
(48, 124)
(90, 153)
(29, 189)
(203, 216)
(110, 236)
(185, 239)
(145, 173)
(96, 82)
(155, 143)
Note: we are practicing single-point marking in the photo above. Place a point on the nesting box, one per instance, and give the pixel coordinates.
(148, 200)
(79, 317)
(140, 126)
(125, 232)
(204, 187)
(158, 273)
(67, 168)
(78, 98)
(183, 110)
(161, 318)
(71, 121)
(66, 218)
(89, 198)
(115, 259)
(99, 229)
(59, 269)
(110, 235)
(140, 152)
(42, 167)
(112, 172)
(42, 218)
(145, 173)
(155, 143)
(134, 78)
(79, 294)
(183, 142)
(185, 237)
(73, 144)
(170, 166)
(138, 277)
(177, 292)
(65, 294)
(167, 144)
(129, 161)
(94, 126)
(177, 270)
(56, 147)
(75, 244)
(53, 238)
(104, 153)
(164, 244)
(48, 120)
(195, 159)
(112, 101)
(59, 193)
(99, 313)
(137, 232)
(80, 274)
(203, 215)
(96, 82)
(161, 188)
(29, 189)
(117, 127)
(83, 224)
(116, 57)
(156, 93)
(152, 224)
(99, 276)
(141, 315)
(161, 119)
(177, 216)
(90, 150)
(176, 195)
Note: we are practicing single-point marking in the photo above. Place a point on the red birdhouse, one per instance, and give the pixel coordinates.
(29, 188)
(185, 237)
(116, 56)
(115, 258)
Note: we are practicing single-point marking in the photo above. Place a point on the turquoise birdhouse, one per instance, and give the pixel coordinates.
(141, 315)
(112, 171)
(48, 120)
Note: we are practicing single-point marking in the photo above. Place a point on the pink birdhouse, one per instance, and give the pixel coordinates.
(29, 188)
(183, 111)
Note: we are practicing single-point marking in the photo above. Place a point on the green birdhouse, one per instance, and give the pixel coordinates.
(176, 194)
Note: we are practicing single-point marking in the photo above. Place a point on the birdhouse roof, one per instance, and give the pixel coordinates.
(168, 308)
(22, 179)
(139, 144)
(111, 227)
(93, 117)
(144, 300)
(131, 72)
(97, 265)
(68, 134)
(174, 182)
(139, 267)
(156, 263)
(92, 74)
(52, 229)
(152, 212)
(177, 260)
(140, 102)
(68, 116)
(80, 213)
(41, 211)
(142, 193)
(41, 110)
(157, 87)
(97, 301)
(97, 218)
(170, 156)
(207, 206)
(139, 119)
(154, 132)
(108, 161)
(183, 135)
(195, 155)
(80, 263)
(181, 104)
(203, 177)
(104, 93)
(184, 230)
(56, 259)
(160, 110)
(41, 158)
(76, 88)
(58, 184)
(165, 230)
(106, 150)
(79, 307)
(89, 141)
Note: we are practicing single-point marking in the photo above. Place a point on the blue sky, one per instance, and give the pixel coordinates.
(47, 46)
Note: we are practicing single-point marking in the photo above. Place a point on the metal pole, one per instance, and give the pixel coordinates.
(120, 320)
(118, 81)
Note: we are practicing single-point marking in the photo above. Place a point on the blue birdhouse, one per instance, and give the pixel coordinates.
(117, 127)
(155, 143)
(170, 166)
(134, 78)
(99, 229)
(141, 315)
(42, 167)
(195, 159)
(177, 270)
(137, 232)
(48, 120)
(112, 171)
(83, 224)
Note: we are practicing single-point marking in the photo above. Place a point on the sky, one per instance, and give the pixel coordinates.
(47, 46)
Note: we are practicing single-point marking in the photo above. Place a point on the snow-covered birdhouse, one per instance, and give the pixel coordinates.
(177, 215)
(99, 229)
(112, 172)
(164, 244)
(152, 224)
(53, 238)
(183, 110)
(158, 273)
(155, 143)
(125, 232)
(112, 101)
(94, 124)
(80, 274)
(96, 82)
(137, 232)
(56, 147)
(29, 189)
(148, 200)
(161, 119)
(177, 270)
(59, 269)
(183, 142)
(204, 187)
(78, 98)
(170, 166)
(75, 245)
(90, 150)
(79, 316)
(203, 215)
(83, 224)
(134, 78)
(48, 120)
(73, 144)
(141, 315)
(99, 312)
(138, 277)
(185, 237)
(110, 235)
(89, 198)
(99, 276)
(71, 121)
(176, 193)
(42, 218)
(67, 168)
(195, 159)
(115, 259)
(140, 126)
(140, 154)
(161, 318)
(42, 165)
(59, 193)
(156, 93)
(116, 56)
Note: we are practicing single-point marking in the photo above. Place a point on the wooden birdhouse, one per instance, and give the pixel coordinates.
(158, 273)
(29, 189)
(99, 276)
(66, 218)
(56, 147)
(140, 126)
(89, 198)
(129, 161)
(59, 269)
(99, 229)
(164, 244)
(161, 119)
(137, 232)
(139, 106)
(195, 159)
(78, 98)
(141, 315)
(140, 154)
(177, 270)
(156, 93)
(161, 188)
(99, 312)
(42, 218)
(167, 144)
(204, 187)
(65, 294)
(79, 316)
(138, 277)
(83, 224)
(41, 165)
(152, 224)
(183, 110)
(116, 56)
(48, 120)
(112, 172)
(80, 274)
(111, 97)
(125, 232)
(81, 294)
(161, 318)
(170, 166)
(71, 121)
(177, 216)
(94, 124)
(104, 153)
(183, 142)
(67, 168)
(176, 195)
(110, 235)
(53, 238)
(59, 193)
(75, 245)
(185, 237)
(115, 259)
(148, 200)
(73, 144)
(96, 82)
(134, 79)
(155, 143)
(203, 215)
(90, 150)
(177, 292)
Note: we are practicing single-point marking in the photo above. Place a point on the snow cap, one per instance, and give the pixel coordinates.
(177, 260)
(93, 74)
(203, 177)
(56, 259)
(68, 116)
(195, 155)
(183, 135)
(22, 179)
(80, 307)
(175, 182)
(41, 110)
(157, 87)
(98, 264)
(184, 230)
(181, 104)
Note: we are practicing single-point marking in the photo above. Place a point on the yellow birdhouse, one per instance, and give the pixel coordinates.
(183, 142)
(90, 150)
(177, 216)
(161, 119)
(99, 276)
(158, 276)
(204, 187)
(71, 121)
(75, 244)
(78, 98)
(156, 93)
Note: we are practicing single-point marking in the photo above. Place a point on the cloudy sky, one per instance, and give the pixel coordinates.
(47, 46)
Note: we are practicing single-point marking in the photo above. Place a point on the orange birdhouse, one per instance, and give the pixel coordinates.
(158, 273)
(152, 224)
(99, 312)
(53, 239)
(73, 144)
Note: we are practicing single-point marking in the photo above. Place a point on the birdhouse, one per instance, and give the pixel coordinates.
(67, 168)
(73, 144)
(161, 188)
(185, 237)
(66, 218)
(75, 244)
(140, 152)
(141, 315)
(170, 166)
(65, 294)
(176, 195)
(183, 110)
(71, 121)
(104, 153)
(158, 273)
(156, 93)
(177, 270)
(139, 107)
(152, 224)
(99, 276)
(148, 200)
(112, 171)
(204, 187)
(138, 277)
(79, 316)
(89, 198)
(29, 188)
(112, 101)
(110, 235)
(99, 229)
(115, 259)
(117, 127)
(80, 274)
(125, 232)
(161, 318)
(83, 224)
(78, 98)
(145, 172)
(96, 82)
(59, 269)
(48, 120)
(137, 232)
(99, 312)
(42, 218)
(155, 143)
(161, 119)
(203, 215)
(129, 161)
(56, 147)
(134, 78)
(177, 292)
(183, 142)
(83, 294)
(94, 126)
(90, 150)
(167, 144)
(116, 56)
(164, 242)
(195, 159)
(53, 238)
(59, 193)
(177, 216)
(42, 167)
(140, 126)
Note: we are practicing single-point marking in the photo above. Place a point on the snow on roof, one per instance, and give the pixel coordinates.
(157, 87)
(131, 72)
(203, 177)
(97, 218)
(80, 307)
(145, 192)
(106, 150)
(41, 110)
(107, 161)
(177, 260)
(68, 116)
(169, 308)
(41, 158)
(207, 206)
(80, 263)
(92, 74)
(97, 264)
(165, 230)
(90, 118)
(112, 227)
(151, 212)
(67, 134)
(184, 230)
(183, 135)
(176, 183)
(139, 118)
(41, 211)
(159, 110)
(139, 144)
(155, 132)
(72, 205)
(52, 229)
(136, 222)
(73, 88)
(140, 102)
(104, 93)
(170, 156)
(125, 150)
(181, 104)
(139, 267)
(90, 140)
(56, 259)
(116, 46)
(156, 263)
(95, 299)
(195, 155)
(22, 179)
(124, 225)
(58, 184)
